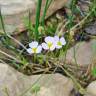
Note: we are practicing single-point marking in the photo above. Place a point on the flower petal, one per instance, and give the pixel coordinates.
(58, 46)
(49, 39)
(45, 46)
(33, 44)
(29, 50)
(39, 49)
(52, 47)
(62, 40)
(56, 38)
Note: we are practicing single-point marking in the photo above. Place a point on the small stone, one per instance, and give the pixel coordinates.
(91, 89)
(14, 12)
(82, 53)
(84, 6)
(91, 29)
(16, 83)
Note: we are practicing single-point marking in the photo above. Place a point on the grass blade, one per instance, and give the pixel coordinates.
(2, 22)
(48, 2)
(37, 19)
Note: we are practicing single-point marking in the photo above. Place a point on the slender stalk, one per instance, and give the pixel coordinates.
(74, 54)
(17, 41)
(30, 88)
(2, 22)
(3, 25)
(73, 5)
(37, 19)
(44, 13)
(48, 2)
(11, 57)
(6, 91)
(78, 86)
(82, 22)
(29, 21)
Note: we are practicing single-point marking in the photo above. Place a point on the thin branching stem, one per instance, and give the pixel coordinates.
(15, 40)
(10, 56)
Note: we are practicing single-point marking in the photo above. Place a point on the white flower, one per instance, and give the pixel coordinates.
(49, 44)
(34, 48)
(59, 42)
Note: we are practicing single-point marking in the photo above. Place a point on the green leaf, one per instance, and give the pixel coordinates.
(38, 10)
(24, 61)
(35, 88)
(94, 72)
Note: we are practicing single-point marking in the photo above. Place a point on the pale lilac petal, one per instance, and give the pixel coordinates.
(45, 46)
(56, 38)
(52, 48)
(62, 40)
(39, 49)
(33, 44)
(49, 39)
(29, 50)
(58, 47)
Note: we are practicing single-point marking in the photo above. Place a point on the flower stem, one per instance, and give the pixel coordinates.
(37, 19)
(48, 2)
(2, 22)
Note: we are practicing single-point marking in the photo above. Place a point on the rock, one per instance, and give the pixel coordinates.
(14, 12)
(83, 53)
(14, 83)
(84, 6)
(91, 29)
(91, 89)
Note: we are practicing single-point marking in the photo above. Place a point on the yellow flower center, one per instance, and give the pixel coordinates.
(59, 43)
(34, 50)
(50, 44)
